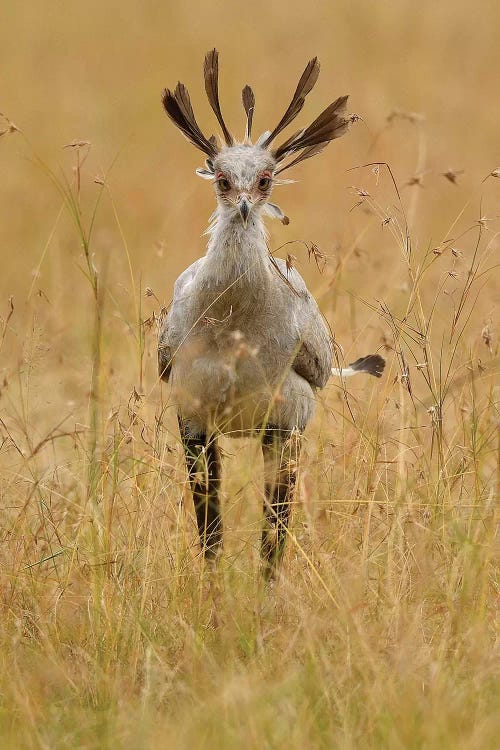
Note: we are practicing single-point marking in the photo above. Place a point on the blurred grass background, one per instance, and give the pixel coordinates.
(380, 633)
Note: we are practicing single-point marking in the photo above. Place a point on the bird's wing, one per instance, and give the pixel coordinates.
(173, 321)
(313, 341)
(164, 348)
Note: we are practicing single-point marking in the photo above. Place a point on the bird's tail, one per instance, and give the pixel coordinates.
(373, 364)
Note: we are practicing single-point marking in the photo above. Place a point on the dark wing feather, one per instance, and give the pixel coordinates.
(164, 362)
(164, 349)
(313, 358)
(248, 98)
(304, 86)
(211, 73)
(178, 107)
(311, 366)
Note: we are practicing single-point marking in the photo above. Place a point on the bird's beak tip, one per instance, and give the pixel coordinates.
(244, 209)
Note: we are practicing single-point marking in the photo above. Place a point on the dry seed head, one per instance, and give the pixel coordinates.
(361, 192)
(318, 255)
(148, 323)
(398, 114)
(452, 174)
(417, 180)
(11, 128)
(290, 260)
(487, 336)
(148, 292)
(493, 173)
(77, 144)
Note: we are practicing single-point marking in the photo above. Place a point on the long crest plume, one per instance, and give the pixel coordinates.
(330, 124)
(304, 87)
(211, 72)
(248, 98)
(178, 107)
(302, 144)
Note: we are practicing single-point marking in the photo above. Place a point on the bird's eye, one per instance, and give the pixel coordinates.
(223, 184)
(264, 183)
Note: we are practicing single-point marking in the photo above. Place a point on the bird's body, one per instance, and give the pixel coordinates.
(244, 344)
(250, 343)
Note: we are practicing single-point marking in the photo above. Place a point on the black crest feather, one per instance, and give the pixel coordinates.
(304, 87)
(178, 107)
(307, 153)
(248, 98)
(304, 144)
(211, 73)
(330, 124)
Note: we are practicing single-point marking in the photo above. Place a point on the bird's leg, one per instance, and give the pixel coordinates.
(203, 465)
(281, 449)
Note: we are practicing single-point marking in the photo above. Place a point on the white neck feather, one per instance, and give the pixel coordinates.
(237, 252)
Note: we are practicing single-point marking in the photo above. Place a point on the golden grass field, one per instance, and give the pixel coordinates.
(380, 630)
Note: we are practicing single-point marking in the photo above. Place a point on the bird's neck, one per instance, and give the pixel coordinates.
(237, 254)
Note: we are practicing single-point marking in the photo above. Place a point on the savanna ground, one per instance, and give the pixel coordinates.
(380, 631)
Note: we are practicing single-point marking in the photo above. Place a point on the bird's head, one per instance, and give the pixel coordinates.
(243, 177)
(244, 173)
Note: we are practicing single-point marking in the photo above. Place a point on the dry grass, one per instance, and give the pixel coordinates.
(381, 630)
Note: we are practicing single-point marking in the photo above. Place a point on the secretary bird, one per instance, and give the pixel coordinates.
(244, 343)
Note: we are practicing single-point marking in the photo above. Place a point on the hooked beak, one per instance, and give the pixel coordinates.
(244, 206)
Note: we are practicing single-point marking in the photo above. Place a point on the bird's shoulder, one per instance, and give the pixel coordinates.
(313, 360)
(175, 320)
(186, 278)
(292, 276)
(171, 321)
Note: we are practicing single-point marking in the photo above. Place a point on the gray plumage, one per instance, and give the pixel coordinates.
(261, 346)
(244, 344)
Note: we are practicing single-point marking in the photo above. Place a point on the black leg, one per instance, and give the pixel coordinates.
(281, 449)
(203, 465)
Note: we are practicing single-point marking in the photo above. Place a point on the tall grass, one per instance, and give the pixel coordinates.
(380, 631)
